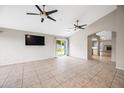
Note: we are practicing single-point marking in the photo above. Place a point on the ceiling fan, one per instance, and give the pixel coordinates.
(77, 26)
(44, 14)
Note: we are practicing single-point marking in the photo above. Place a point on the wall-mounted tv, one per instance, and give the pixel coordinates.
(34, 40)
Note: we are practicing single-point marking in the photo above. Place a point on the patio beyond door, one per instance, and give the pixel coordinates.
(60, 47)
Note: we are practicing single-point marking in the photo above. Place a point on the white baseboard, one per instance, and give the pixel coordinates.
(27, 61)
(119, 68)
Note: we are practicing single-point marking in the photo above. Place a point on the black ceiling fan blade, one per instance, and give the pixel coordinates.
(75, 25)
(42, 19)
(50, 12)
(83, 25)
(39, 8)
(51, 18)
(81, 28)
(32, 14)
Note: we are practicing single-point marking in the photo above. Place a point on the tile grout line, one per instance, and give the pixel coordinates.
(57, 80)
(6, 78)
(22, 76)
(91, 78)
(72, 67)
(47, 72)
(94, 76)
(38, 77)
(113, 78)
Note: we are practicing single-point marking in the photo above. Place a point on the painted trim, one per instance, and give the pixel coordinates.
(119, 68)
(28, 61)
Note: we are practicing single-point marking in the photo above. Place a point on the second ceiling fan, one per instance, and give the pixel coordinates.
(77, 26)
(44, 14)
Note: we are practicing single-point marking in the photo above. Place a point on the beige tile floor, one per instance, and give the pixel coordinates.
(106, 59)
(65, 72)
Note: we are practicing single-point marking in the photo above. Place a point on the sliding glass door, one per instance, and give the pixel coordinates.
(60, 47)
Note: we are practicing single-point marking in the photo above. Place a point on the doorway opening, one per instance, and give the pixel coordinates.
(102, 46)
(61, 47)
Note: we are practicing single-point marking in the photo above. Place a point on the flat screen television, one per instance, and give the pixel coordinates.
(34, 40)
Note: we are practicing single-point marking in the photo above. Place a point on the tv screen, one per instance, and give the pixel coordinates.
(34, 40)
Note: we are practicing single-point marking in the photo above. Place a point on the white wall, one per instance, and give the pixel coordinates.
(120, 38)
(112, 22)
(75, 46)
(78, 45)
(13, 49)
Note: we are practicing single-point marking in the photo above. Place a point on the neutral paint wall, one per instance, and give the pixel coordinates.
(75, 47)
(112, 22)
(13, 49)
(113, 58)
(120, 38)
